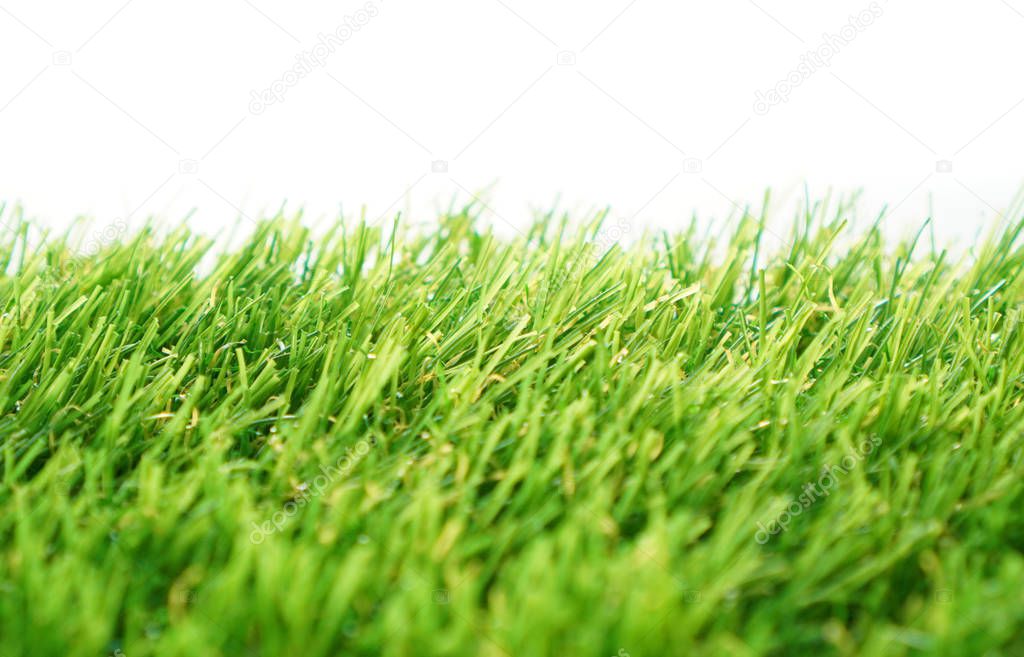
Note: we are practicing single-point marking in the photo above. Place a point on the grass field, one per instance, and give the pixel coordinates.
(372, 441)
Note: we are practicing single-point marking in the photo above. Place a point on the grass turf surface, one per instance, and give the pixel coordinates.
(362, 442)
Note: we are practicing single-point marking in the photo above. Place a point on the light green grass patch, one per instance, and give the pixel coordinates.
(365, 441)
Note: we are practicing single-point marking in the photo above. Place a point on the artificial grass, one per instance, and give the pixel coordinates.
(371, 441)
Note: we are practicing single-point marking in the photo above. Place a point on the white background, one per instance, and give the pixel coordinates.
(123, 110)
